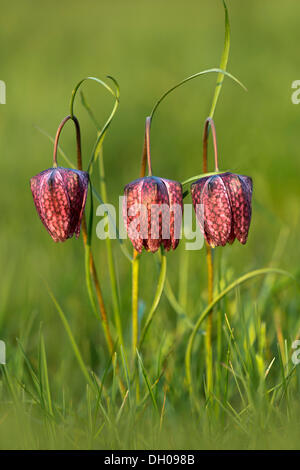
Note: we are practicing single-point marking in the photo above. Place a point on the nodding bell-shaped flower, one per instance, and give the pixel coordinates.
(152, 207)
(222, 202)
(152, 211)
(223, 207)
(59, 196)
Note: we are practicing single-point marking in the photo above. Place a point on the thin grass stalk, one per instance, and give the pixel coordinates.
(110, 260)
(87, 246)
(103, 192)
(135, 302)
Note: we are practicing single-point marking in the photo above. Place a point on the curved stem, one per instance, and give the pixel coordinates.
(191, 77)
(74, 92)
(102, 133)
(209, 123)
(147, 140)
(146, 155)
(78, 140)
(202, 175)
(223, 63)
(210, 306)
(219, 71)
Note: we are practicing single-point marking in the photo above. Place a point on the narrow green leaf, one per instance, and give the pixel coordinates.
(202, 175)
(223, 63)
(158, 293)
(44, 379)
(72, 341)
(147, 382)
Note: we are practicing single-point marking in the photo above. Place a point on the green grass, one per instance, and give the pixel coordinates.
(59, 388)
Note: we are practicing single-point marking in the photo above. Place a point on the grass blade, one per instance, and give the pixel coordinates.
(158, 293)
(233, 285)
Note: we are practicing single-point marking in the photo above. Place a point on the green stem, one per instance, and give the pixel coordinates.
(219, 71)
(223, 63)
(208, 333)
(102, 133)
(135, 302)
(197, 177)
(192, 77)
(110, 260)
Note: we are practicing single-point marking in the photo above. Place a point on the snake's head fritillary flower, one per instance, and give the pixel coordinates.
(152, 210)
(59, 196)
(223, 207)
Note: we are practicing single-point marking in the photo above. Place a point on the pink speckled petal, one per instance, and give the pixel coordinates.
(131, 212)
(156, 200)
(217, 211)
(240, 192)
(176, 211)
(197, 198)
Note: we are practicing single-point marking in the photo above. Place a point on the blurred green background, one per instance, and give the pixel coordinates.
(47, 47)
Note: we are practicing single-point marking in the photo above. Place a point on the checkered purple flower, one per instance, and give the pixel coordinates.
(152, 212)
(59, 196)
(223, 207)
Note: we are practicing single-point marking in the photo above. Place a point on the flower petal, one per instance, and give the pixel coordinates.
(155, 199)
(217, 211)
(174, 189)
(131, 212)
(240, 194)
(76, 184)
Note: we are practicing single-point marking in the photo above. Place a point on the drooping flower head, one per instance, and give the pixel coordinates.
(152, 211)
(152, 207)
(59, 196)
(222, 201)
(223, 207)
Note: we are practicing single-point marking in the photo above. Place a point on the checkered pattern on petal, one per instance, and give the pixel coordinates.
(131, 212)
(240, 194)
(175, 213)
(155, 199)
(59, 195)
(226, 211)
(76, 184)
(197, 198)
(157, 223)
